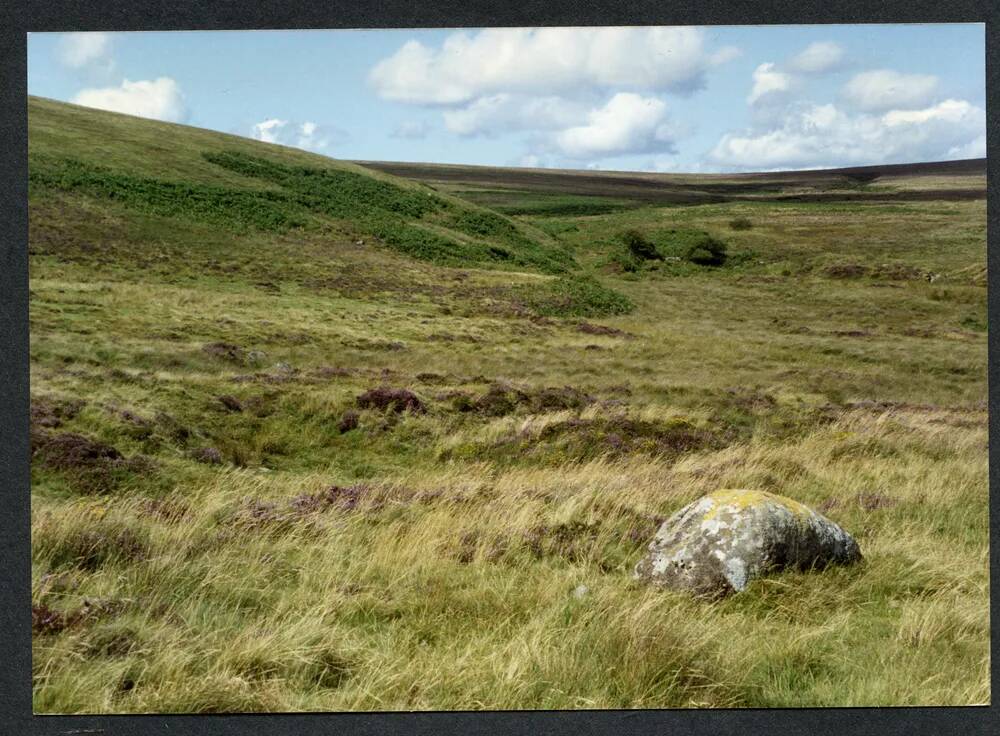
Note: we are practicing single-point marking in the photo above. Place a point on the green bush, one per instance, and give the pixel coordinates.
(691, 246)
(639, 246)
(706, 251)
(740, 223)
(623, 260)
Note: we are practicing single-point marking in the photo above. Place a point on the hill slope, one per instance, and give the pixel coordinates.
(236, 184)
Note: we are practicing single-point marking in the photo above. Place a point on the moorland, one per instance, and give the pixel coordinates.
(312, 435)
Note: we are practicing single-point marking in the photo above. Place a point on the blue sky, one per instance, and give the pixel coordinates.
(717, 98)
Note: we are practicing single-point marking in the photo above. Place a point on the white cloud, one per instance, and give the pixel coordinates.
(80, 49)
(309, 135)
(884, 89)
(628, 123)
(506, 112)
(973, 149)
(550, 83)
(776, 85)
(268, 130)
(817, 58)
(952, 111)
(314, 137)
(411, 130)
(815, 136)
(768, 83)
(546, 61)
(160, 99)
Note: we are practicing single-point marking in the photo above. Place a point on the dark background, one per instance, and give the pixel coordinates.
(140, 15)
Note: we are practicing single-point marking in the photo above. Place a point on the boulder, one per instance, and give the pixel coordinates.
(718, 544)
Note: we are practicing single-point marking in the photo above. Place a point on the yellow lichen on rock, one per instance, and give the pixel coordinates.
(738, 499)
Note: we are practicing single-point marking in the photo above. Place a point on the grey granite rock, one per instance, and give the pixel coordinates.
(718, 544)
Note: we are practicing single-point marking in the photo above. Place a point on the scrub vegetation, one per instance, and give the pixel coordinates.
(307, 436)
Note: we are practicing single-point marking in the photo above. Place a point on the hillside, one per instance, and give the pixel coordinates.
(944, 180)
(311, 437)
(237, 185)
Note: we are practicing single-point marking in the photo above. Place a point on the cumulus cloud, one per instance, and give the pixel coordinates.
(973, 149)
(160, 99)
(775, 85)
(508, 112)
(884, 89)
(411, 130)
(308, 135)
(315, 137)
(769, 83)
(574, 92)
(628, 123)
(268, 130)
(817, 58)
(816, 136)
(80, 49)
(546, 61)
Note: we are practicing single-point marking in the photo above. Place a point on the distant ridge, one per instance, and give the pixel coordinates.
(848, 184)
(957, 167)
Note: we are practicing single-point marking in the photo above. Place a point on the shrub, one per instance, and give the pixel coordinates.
(207, 455)
(89, 466)
(691, 246)
(845, 270)
(348, 421)
(706, 251)
(501, 400)
(50, 413)
(640, 247)
(622, 261)
(395, 399)
(740, 223)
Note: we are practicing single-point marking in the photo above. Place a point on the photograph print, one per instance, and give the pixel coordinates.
(508, 369)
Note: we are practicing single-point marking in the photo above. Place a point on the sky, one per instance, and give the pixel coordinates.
(675, 99)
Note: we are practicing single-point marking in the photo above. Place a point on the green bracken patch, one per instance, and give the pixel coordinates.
(234, 209)
(388, 211)
(410, 219)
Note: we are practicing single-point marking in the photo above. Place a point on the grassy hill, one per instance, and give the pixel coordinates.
(240, 186)
(311, 437)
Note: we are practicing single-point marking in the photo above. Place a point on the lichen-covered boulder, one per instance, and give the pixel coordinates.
(719, 543)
